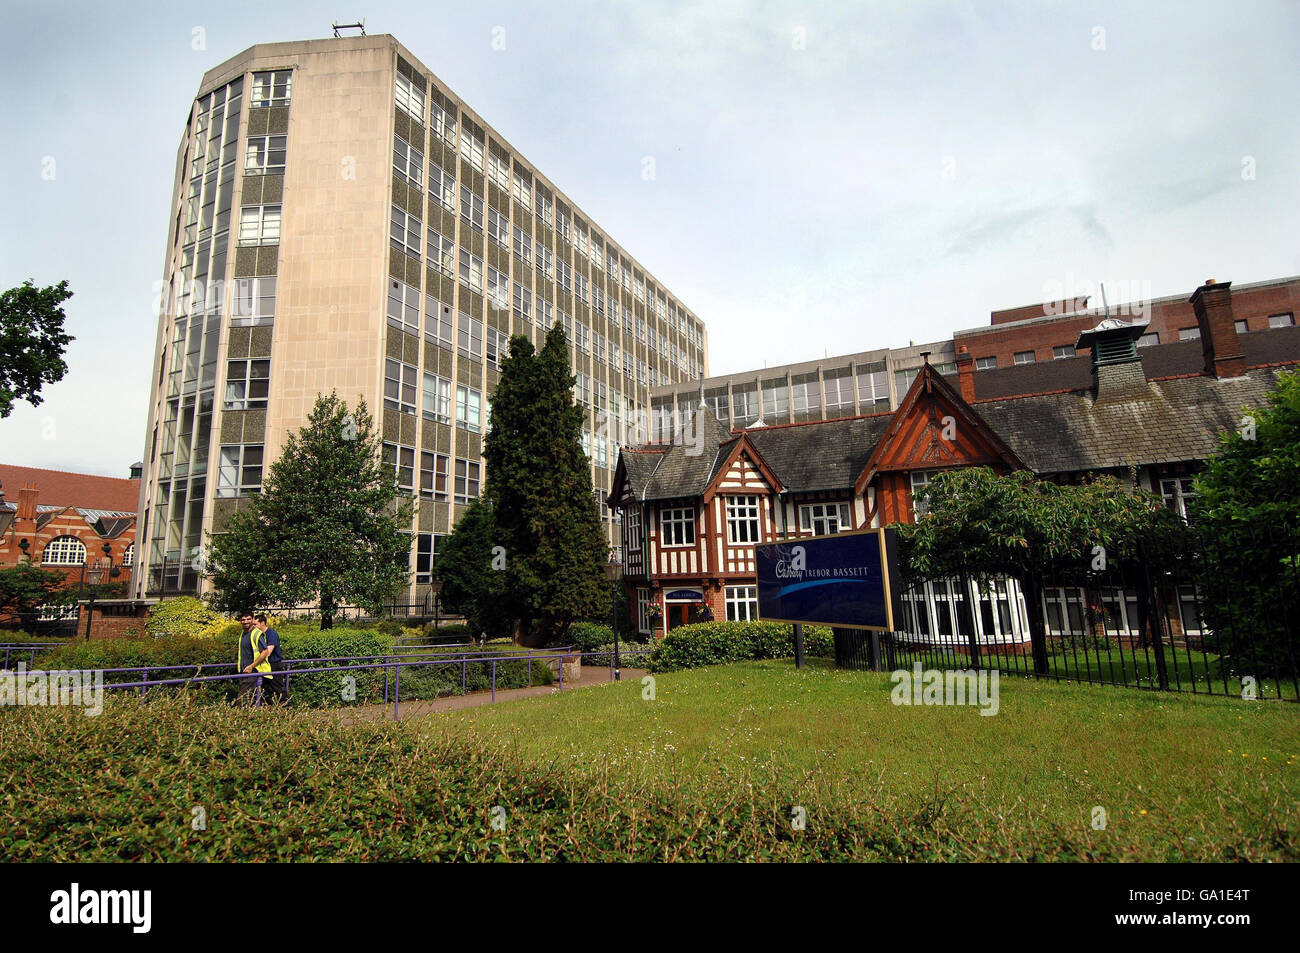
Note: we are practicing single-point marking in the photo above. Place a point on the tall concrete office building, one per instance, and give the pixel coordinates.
(342, 221)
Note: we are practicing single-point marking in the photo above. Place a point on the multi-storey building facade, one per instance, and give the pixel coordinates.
(695, 507)
(846, 385)
(342, 221)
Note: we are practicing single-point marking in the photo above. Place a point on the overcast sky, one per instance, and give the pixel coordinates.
(828, 177)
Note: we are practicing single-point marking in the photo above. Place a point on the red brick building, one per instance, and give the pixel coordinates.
(693, 509)
(1048, 331)
(77, 523)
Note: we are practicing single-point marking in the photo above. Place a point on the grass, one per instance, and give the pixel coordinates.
(708, 770)
(1180, 777)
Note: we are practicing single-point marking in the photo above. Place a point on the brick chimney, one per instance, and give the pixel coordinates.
(26, 503)
(966, 373)
(1220, 345)
(1116, 364)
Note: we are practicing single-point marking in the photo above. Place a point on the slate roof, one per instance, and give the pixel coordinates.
(1173, 420)
(824, 454)
(1046, 413)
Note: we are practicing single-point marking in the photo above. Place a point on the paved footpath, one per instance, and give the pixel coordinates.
(591, 675)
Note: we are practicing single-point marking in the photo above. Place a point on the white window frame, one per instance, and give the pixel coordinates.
(469, 475)
(406, 232)
(471, 207)
(438, 324)
(403, 306)
(469, 337)
(259, 225)
(825, 519)
(235, 467)
(469, 409)
(258, 151)
(918, 481)
(744, 519)
(408, 161)
(471, 149)
(441, 251)
(442, 187)
(436, 399)
(677, 527)
(741, 603)
(1178, 492)
(400, 390)
(64, 550)
(409, 97)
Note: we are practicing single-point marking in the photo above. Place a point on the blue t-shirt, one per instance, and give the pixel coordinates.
(271, 639)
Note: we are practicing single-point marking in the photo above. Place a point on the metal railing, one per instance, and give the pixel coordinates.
(391, 665)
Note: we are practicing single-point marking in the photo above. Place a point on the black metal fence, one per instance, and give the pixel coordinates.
(1187, 612)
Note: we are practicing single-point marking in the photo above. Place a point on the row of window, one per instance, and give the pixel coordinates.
(408, 162)
(404, 313)
(434, 470)
(401, 389)
(1061, 351)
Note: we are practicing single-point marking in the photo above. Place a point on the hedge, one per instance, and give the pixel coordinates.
(279, 786)
(715, 643)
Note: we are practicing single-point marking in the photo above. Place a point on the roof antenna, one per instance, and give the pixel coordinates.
(1105, 307)
(348, 26)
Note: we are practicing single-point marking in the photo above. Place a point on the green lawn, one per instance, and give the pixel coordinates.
(708, 770)
(1179, 777)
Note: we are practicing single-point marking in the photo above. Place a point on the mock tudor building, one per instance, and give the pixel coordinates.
(695, 507)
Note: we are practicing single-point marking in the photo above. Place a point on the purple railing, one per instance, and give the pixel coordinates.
(31, 648)
(390, 663)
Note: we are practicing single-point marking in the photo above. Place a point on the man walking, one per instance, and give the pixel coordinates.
(275, 685)
(253, 655)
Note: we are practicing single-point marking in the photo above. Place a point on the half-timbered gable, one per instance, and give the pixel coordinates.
(932, 430)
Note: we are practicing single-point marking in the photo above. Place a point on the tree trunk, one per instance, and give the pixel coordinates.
(326, 613)
(1037, 630)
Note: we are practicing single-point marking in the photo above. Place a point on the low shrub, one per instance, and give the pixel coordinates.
(713, 643)
(630, 655)
(584, 636)
(185, 617)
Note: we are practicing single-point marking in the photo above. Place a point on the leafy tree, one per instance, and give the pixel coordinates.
(330, 523)
(25, 588)
(539, 485)
(982, 524)
(32, 342)
(1247, 513)
(470, 585)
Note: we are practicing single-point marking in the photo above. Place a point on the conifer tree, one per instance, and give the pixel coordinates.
(539, 484)
(330, 525)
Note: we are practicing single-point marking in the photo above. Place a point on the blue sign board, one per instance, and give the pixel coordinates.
(843, 580)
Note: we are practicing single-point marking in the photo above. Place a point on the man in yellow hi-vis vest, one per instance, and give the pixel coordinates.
(254, 655)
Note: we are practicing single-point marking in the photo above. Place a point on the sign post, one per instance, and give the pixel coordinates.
(846, 581)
